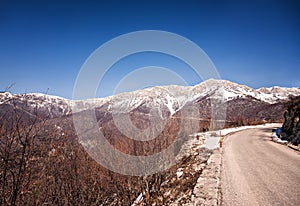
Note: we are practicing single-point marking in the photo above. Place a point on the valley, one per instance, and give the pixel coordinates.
(47, 159)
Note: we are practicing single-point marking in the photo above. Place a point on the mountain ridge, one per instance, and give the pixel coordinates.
(172, 97)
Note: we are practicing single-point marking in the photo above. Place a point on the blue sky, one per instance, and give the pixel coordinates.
(43, 44)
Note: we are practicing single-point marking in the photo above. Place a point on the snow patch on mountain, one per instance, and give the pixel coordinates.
(233, 90)
(172, 97)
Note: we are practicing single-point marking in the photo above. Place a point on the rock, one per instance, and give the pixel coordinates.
(291, 125)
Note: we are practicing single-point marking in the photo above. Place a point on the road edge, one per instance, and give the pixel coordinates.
(208, 187)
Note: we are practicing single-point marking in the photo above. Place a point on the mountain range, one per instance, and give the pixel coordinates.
(240, 101)
(38, 132)
(168, 111)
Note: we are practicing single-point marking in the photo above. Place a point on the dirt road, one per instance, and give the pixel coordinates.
(257, 171)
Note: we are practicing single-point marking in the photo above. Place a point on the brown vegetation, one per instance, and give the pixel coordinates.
(42, 161)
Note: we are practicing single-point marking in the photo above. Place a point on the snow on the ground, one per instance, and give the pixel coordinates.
(212, 138)
(275, 138)
(235, 129)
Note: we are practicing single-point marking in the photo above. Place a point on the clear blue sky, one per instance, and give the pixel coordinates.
(43, 44)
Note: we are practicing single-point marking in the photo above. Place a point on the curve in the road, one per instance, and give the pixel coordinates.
(257, 171)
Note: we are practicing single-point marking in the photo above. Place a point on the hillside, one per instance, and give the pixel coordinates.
(44, 159)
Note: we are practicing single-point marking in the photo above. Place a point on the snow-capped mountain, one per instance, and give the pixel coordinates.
(276, 93)
(174, 97)
(168, 99)
(50, 106)
(270, 95)
(171, 98)
(230, 90)
(158, 110)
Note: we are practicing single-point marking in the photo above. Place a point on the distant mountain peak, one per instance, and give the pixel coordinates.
(171, 97)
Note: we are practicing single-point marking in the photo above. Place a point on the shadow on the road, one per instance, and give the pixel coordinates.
(267, 133)
(266, 139)
(268, 130)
